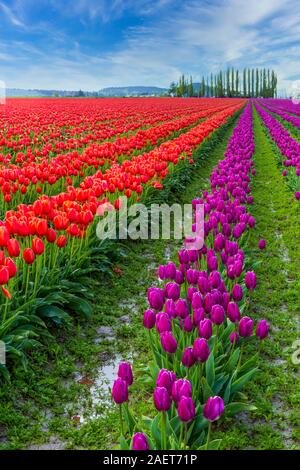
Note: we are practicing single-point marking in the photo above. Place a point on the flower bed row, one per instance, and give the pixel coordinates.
(197, 334)
(288, 147)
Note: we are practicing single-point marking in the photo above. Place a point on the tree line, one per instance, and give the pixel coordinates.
(251, 83)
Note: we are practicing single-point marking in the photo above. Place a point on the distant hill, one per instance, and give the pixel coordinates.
(133, 91)
(12, 92)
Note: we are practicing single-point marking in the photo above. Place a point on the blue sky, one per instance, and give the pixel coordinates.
(91, 44)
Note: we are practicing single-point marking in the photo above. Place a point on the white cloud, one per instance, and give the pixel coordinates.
(13, 18)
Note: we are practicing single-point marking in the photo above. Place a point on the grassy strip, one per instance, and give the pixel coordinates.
(37, 406)
(276, 390)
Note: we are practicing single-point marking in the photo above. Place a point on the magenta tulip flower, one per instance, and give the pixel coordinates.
(125, 373)
(186, 409)
(180, 388)
(213, 408)
(140, 442)
(262, 329)
(162, 400)
(168, 342)
(120, 391)
(245, 327)
(201, 349)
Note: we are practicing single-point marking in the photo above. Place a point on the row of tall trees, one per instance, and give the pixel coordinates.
(251, 83)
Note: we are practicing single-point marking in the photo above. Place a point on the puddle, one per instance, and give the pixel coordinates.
(105, 333)
(99, 397)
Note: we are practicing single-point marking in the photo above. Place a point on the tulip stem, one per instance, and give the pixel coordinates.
(216, 340)
(121, 420)
(185, 435)
(163, 431)
(208, 435)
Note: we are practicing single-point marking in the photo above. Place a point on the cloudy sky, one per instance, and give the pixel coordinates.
(91, 44)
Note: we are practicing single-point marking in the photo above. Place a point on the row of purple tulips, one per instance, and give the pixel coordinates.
(288, 147)
(199, 321)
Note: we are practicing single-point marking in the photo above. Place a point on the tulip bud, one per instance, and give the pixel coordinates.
(125, 373)
(201, 349)
(234, 337)
(205, 328)
(262, 329)
(188, 359)
(168, 342)
(28, 256)
(237, 293)
(199, 314)
(181, 388)
(250, 280)
(170, 308)
(262, 244)
(245, 327)
(4, 275)
(217, 314)
(166, 378)
(233, 312)
(163, 322)
(187, 324)
(38, 246)
(181, 308)
(197, 300)
(13, 248)
(149, 319)
(156, 298)
(161, 399)
(120, 391)
(186, 409)
(170, 271)
(213, 408)
(140, 442)
(172, 291)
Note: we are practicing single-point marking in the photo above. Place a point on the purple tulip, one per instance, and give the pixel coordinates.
(212, 263)
(205, 328)
(163, 322)
(170, 271)
(172, 291)
(168, 342)
(140, 442)
(190, 293)
(156, 298)
(219, 242)
(120, 391)
(181, 388)
(208, 302)
(149, 319)
(170, 308)
(217, 314)
(179, 277)
(237, 293)
(199, 314)
(233, 312)
(262, 244)
(250, 280)
(197, 300)
(161, 398)
(186, 409)
(182, 308)
(125, 372)
(262, 329)
(203, 285)
(234, 337)
(201, 349)
(215, 279)
(187, 324)
(188, 358)
(165, 378)
(162, 272)
(183, 256)
(245, 327)
(213, 408)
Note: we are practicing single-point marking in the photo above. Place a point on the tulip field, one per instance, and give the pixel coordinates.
(148, 344)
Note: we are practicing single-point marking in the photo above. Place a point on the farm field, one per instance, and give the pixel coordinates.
(138, 342)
